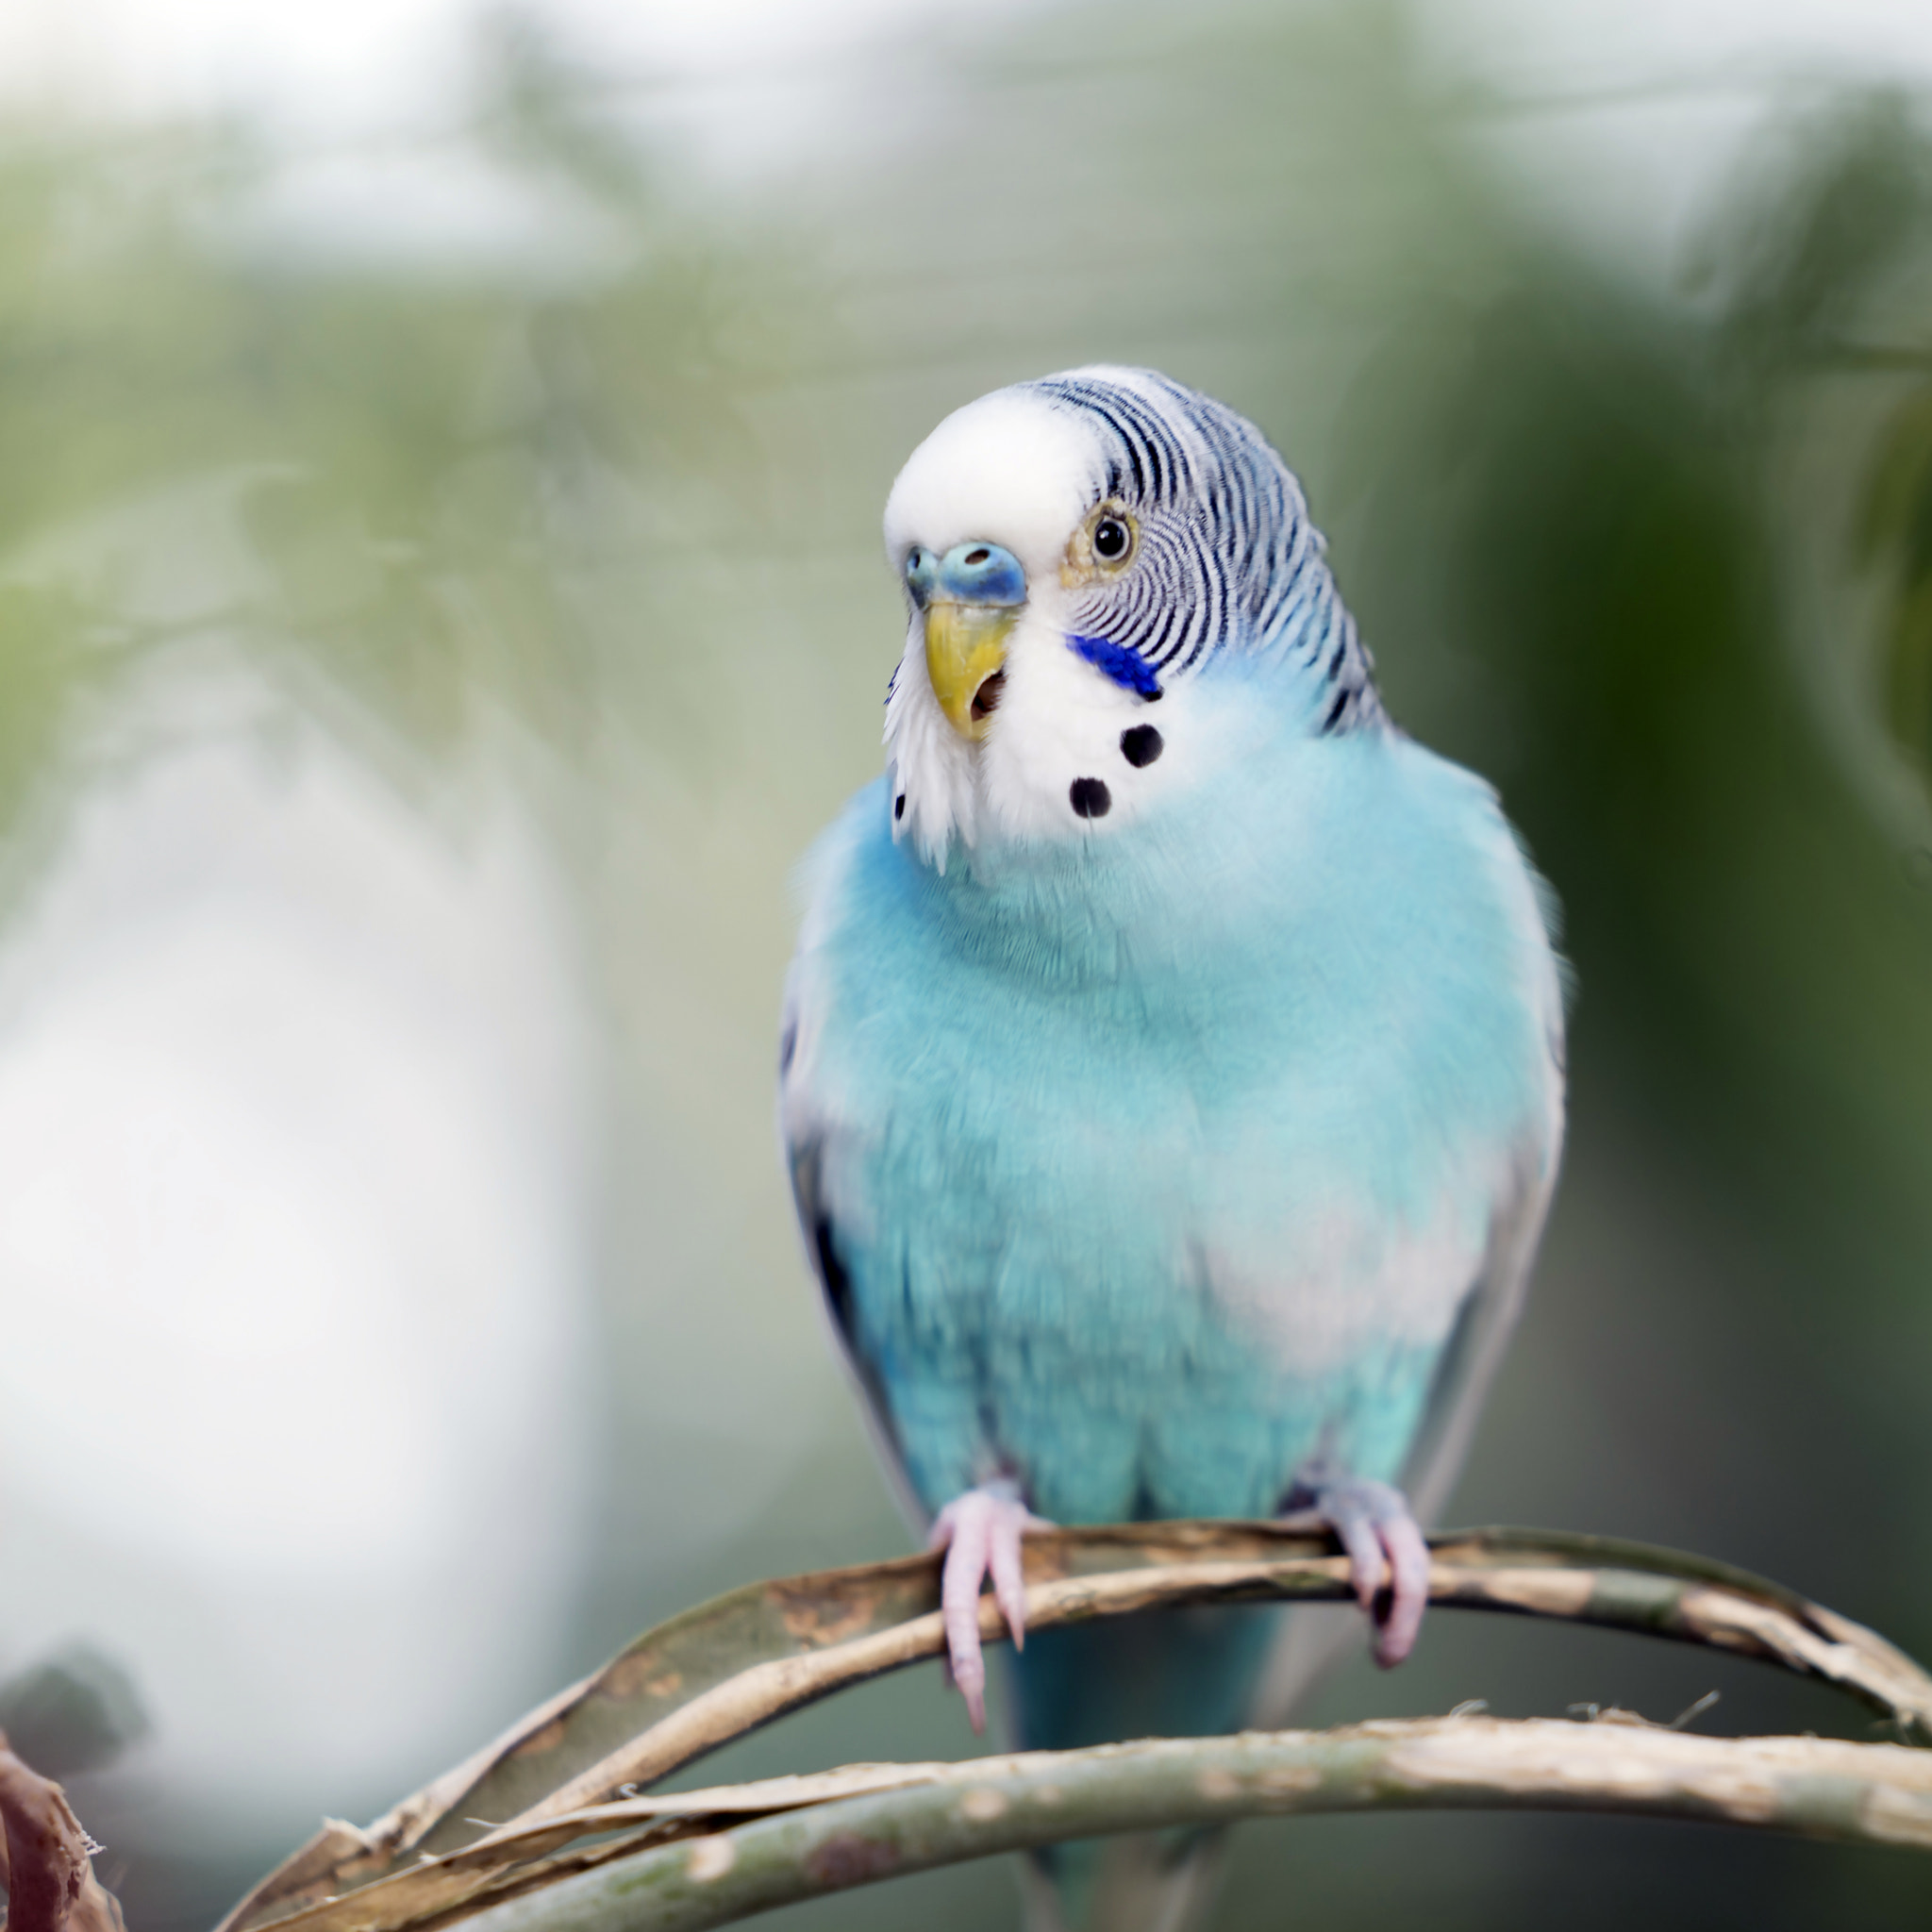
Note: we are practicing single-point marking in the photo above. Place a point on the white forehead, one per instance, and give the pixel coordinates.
(1010, 469)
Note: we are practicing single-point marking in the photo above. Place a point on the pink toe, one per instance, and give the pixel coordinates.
(1384, 1545)
(1408, 1562)
(980, 1532)
(1365, 1565)
(959, 1610)
(1008, 1582)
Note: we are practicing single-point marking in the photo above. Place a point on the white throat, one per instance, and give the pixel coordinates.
(1059, 724)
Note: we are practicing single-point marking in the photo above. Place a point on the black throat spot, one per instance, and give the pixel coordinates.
(1090, 798)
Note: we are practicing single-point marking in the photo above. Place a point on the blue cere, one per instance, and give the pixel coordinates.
(975, 573)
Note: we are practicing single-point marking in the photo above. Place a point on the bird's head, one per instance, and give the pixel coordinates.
(1079, 554)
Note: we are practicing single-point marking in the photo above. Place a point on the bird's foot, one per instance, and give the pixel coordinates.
(980, 1533)
(1384, 1544)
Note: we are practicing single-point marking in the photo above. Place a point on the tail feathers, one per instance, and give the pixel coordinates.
(1174, 1673)
(1146, 1882)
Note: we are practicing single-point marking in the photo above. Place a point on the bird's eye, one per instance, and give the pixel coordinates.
(1111, 539)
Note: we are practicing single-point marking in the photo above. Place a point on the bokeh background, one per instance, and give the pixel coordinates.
(440, 458)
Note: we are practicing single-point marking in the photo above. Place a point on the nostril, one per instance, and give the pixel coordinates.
(978, 555)
(986, 700)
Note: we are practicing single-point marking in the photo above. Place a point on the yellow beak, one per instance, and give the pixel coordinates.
(965, 647)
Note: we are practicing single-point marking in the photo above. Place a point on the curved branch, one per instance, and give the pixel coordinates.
(1728, 1610)
(747, 1657)
(1865, 1793)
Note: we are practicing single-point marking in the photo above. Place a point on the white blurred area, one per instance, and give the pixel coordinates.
(365, 63)
(361, 63)
(296, 1122)
(1627, 115)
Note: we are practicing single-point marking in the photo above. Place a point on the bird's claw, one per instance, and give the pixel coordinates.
(980, 1533)
(1384, 1545)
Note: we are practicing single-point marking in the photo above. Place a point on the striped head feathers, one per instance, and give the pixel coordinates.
(1081, 556)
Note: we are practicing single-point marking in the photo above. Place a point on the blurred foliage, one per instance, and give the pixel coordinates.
(424, 482)
(1896, 534)
(72, 1712)
(602, 487)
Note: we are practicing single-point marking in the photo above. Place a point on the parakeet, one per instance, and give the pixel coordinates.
(1171, 1062)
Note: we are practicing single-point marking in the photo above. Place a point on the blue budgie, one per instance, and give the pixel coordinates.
(1171, 1072)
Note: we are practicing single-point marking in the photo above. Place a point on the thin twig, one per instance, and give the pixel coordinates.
(1737, 1614)
(1863, 1793)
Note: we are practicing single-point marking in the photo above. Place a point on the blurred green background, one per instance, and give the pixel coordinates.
(508, 492)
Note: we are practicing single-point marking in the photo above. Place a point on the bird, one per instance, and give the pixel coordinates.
(1171, 1070)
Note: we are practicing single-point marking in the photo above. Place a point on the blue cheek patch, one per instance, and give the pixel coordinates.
(1127, 668)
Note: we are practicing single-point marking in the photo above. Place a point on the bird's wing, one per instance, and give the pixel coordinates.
(803, 1127)
(1316, 1636)
(1518, 1207)
(1483, 1327)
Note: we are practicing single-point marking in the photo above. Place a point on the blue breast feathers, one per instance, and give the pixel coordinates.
(1148, 1167)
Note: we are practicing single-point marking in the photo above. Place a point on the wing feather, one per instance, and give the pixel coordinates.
(802, 1130)
(1315, 1636)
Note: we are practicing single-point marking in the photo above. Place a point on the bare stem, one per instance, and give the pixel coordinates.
(1865, 1793)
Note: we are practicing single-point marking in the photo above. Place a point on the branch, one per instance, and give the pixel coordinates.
(942, 1815)
(44, 1857)
(1471, 1575)
(736, 1663)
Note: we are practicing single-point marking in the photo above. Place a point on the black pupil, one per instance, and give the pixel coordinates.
(1109, 538)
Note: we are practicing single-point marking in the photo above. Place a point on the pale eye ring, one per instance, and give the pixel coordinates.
(1111, 539)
